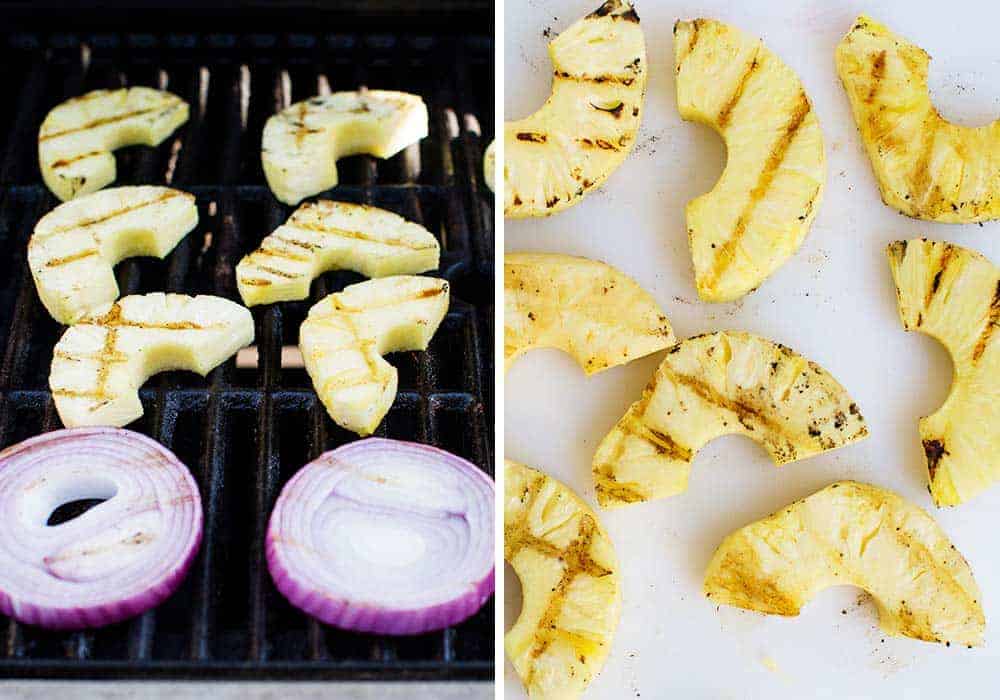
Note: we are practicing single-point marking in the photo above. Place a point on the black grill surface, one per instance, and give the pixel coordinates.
(243, 431)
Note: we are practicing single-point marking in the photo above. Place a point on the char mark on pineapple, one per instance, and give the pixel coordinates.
(532, 136)
(878, 73)
(934, 449)
(991, 323)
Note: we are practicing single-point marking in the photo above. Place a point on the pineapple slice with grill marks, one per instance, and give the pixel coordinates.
(588, 125)
(953, 295)
(855, 534)
(586, 308)
(100, 362)
(76, 140)
(302, 143)
(325, 235)
(720, 384)
(926, 167)
(74, 248)
(569, 582)
(758, 213)
(489, 165)
(345, 335)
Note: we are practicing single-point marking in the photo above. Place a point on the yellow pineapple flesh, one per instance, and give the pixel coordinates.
(587, 127)
(953, 295)
(860, 535)
(758, 213)
(569, 582)
(720, 384)
(586, 308)
(926, 167)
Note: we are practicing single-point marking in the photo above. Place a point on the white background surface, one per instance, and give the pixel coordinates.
(833, 302)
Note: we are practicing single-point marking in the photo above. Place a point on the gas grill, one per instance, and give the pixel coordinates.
(247, 427)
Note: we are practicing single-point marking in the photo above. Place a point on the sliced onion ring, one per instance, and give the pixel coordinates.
(386, 537)
(116, 560)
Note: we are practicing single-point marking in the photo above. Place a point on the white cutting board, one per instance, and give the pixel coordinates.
(833, 302)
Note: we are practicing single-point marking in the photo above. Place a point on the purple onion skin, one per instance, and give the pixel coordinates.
(374, 619)
(76, 618)
(366, 617)
(111, 612)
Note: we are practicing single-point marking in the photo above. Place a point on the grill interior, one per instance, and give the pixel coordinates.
(243, 431)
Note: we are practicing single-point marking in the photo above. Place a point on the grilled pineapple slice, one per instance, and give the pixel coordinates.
(78, 136)
(860, 535)
(327, 235)
(302, 143)
(926, 167)
(345, 335)
(99, 364)
(569, 583)
(74, 248)
(588, 309)
(587, 127)
(953, 295)
(489, 165)
(761, 208)
(720, 384)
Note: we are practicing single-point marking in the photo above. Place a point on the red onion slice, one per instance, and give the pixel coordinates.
(114, 561)
(385, 536)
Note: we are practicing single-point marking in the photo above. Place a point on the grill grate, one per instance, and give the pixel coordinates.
(244, 431)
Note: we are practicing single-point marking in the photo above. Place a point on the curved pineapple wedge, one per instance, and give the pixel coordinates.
(953, 295)
(302, 143)
(569, 584)
(720, 384)
(926, 167)
(78, 136)
(489, 165)
(588, 309)
(99, 364)
(74, 248)
(345, 335)
(860, 535)
(587, 127)
(758, 213)
(324, 235)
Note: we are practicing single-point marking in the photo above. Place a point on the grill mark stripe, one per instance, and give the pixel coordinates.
(280, 253)
(936, 281)
(664, 443)
(422, 295)
(695, 35)
(104, 121)
(625, 80)
(297, 243)
(727, 109)
(878, 72)
(992, 322)
(276, 272)
(355, 235)
(67, 259)
(919, 178)
(726, 252)
(86, 223)
(69, 161)
(601, 143)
